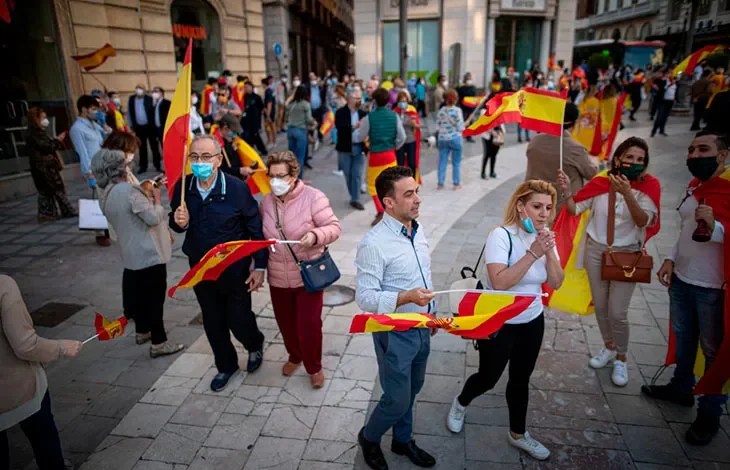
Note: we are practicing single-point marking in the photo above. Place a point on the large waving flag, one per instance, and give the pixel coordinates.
(258, 182)
(217, 259)
(587, 130)
(472, 101)
(534, 109)
(716, 379)
(177, 127)
(328, 122)
(95, 59)
(481, 313)
(107, 330)
(574, 296)
(690, 62)
(609, 120)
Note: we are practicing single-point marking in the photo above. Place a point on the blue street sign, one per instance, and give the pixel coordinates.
(277, 49)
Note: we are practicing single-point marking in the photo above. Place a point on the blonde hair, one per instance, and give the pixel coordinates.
(523, 194)
(286, 157)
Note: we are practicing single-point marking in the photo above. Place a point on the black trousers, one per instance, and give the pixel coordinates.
(421, 108)
(490, 155)
(227, 310)
(635, 105)
(663, 111)
(40, 429)
(148, 135)
(700, 107)
(143, 299)
(519, 345)
(253, 138)
(318, 115)
(406, 155)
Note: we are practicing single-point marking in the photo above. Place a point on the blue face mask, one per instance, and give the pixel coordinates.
(233, 134)
(202, 170)
(402, 105)
(528, 225)
(100, 117)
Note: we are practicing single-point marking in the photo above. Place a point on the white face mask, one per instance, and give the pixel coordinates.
(283, 79)
(117, 101)
(470, 82)
(155, 96)
(296, 83)
(194, 100)
(45, 122)
(313, 82)
(139, 91)
(279, 187)
(389, 78)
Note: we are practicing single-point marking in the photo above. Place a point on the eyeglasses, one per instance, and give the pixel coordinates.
(202, 157)
(221, 94)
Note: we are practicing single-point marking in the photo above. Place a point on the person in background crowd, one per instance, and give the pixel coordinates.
(197, 126)
(218, 209)
(138, 219)
(316, 95)
(718, 80)
(498, 84)
(208, 97)
(520, 256)
(398, 86)
(412, 84)
(421, 105)
(466, 89)
(367, 99)
(350, 150)
(543, 157)
(699, 70)
(299, 120)
(716, 113)
(269, 110)
(101, 114)
(228, 131)
(635, 213)
(527, 82)
(227, 80)
(451, 125)
(223, 105)
(386, 135)
(26, 399)
(295, 211)
(658, 87)
(115, 115)
(141, 117)
(251, 119)
(694, 275)
(665, 107)
(162, 109)
(438, 93)
(406, 155)
(87, 136)
(282, 93)
(394, 275)
(330, 93)
(491, 141)
(45, 168)
(700, 94)
(238, 92)
(634, 91)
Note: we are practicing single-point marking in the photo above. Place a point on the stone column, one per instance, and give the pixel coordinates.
(545, 44)
(490, 51)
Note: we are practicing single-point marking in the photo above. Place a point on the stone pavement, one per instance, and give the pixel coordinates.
(135, 413)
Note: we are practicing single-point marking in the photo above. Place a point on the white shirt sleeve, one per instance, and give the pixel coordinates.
(497, 247)
(718, 235)
(583, 206)
(648, 206)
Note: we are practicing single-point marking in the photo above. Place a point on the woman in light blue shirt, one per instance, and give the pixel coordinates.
(451, 125)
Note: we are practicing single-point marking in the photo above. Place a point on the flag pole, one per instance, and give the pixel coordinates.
(562, 131)
(89, 339)
(503, 292)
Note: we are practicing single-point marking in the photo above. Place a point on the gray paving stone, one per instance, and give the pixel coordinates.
(446, 363)
(653, 445)
(106, 370)
(218, 459)
(169, 390)
(177, 444)
(448, 343)
(237, 432)
(716, 451)
(190, 365)
(85, 432)
(312, 465)
(38, 250)
(114, 402)
(10, 248)
(298, 391)
(154, 465)
(498, 450)
(15, 262)
(331, 451)
(268, 375)
(138, 377)
(637, 410)
(338, 424)
(563, 457)
(144, 420)
(203, 385)
(272, 452)
(117, 453)
(357, 368)
(440, 389)
(346, 393)
(254, 400)
(336, 325)
(563, 371)
(291, 421)
(571, 405)
(361, 345)
(200, 410)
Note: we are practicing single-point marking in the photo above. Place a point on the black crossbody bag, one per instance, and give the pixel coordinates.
(317, 274)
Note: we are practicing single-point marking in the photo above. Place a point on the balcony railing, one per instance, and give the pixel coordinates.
(635, 10)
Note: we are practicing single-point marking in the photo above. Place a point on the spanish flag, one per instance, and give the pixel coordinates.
(205, 100)
(609, 120)
(534, 109)
(177, 127)
(483, 313)
(107, 330)
(587, 130)
(327, 123)
(217, 259)
(258, 182)
(95, 59)
(472, 101)
(377, 162)
(687, 66)
(574, 296)
(714, 380)
(239, 95)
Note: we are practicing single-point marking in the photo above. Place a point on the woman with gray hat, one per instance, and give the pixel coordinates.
(139, 221)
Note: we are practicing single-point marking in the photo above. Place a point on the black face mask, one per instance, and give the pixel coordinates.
(702, 168)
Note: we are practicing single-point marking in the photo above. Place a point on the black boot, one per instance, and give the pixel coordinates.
(668, 393)
(372, 453)
(704, 428)
(416, 455)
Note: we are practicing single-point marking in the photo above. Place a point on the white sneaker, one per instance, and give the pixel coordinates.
(338, 173)
(620, 376)
(316, 144)
(529, 445)
(455, 420)
(363, 188)
(603, 358)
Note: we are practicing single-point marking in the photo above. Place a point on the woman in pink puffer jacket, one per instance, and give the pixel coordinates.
(305, 215)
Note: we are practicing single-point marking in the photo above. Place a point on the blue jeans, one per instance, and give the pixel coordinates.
(298, 142)
(454, 146)
(352, 164)
(519, 134)
(402, 358)
(696, 314)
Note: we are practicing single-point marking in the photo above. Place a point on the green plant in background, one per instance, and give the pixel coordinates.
(718, 60)
(600, 61)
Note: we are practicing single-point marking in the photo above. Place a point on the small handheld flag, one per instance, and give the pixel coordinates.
(89, 62)
(327, 123)
(106, 330)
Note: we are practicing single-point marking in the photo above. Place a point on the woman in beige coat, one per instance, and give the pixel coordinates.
(24, 397)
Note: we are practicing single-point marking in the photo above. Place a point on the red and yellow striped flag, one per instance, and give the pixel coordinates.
(687, 66)
(177, 127)
(95, 59)
(258, 182)
(481, 313)
(217, 259)
(377, 162)
(327, 123)
(472, 101)
(536, 110)
(107, 330)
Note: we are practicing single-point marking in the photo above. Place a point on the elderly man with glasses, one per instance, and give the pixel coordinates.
(219, 208)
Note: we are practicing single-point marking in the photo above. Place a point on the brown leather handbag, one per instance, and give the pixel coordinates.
(634, 266)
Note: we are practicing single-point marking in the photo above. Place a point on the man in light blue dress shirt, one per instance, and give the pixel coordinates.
(394, 275)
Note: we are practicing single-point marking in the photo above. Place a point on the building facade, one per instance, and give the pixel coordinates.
(458, 36)
(312, 35)
(150, 37)
(630, 20)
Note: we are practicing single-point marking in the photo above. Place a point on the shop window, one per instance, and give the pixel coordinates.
(517, 43)
(424, 41)
(198, 20)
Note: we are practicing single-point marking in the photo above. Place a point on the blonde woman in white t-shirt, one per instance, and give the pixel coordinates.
(520, 256)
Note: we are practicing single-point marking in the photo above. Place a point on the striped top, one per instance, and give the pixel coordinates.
(388, 262)
(451, 123)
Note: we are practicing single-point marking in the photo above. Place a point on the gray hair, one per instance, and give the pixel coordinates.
(210, 138)
(353, 91)
(109, 166)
